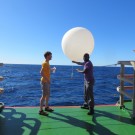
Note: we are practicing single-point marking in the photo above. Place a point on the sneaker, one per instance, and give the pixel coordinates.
(85, 106)
(49, 109)
(91, 112)
(43, 113)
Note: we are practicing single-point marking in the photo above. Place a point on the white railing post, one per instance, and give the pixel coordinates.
(1, 91)
(124, 79)
(133, 114)
(122, 85)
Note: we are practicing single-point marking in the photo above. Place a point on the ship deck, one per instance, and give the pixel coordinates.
(67, 120)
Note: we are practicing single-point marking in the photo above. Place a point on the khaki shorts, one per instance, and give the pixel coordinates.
(45, 89)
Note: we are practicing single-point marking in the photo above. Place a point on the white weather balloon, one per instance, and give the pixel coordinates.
(76, 42)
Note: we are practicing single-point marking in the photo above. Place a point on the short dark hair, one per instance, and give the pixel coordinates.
(47, 53)
(86, 55)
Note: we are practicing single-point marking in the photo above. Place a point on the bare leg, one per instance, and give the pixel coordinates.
(47, 108)
(42, 102)
(47, 99)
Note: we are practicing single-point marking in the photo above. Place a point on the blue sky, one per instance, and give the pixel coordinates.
(28, 28)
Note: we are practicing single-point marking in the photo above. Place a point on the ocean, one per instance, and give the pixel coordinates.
(22, 85)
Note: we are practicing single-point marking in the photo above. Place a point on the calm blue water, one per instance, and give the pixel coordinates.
(22, 85)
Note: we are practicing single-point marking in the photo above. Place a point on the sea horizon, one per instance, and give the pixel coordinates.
(22, 85)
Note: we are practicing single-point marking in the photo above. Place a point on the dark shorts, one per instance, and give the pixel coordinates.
(45, 89)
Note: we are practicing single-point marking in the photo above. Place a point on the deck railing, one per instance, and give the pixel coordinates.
(1, 91)
(130, 78)
(1, 78)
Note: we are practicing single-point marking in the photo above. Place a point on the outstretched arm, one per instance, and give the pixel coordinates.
(79, 63)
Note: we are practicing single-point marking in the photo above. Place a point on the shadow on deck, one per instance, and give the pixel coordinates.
(107, 120)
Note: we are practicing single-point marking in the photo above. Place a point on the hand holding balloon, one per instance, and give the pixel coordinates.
(75, 43)
(73, 61)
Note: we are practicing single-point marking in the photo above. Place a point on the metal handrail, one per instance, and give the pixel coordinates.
(130, 78)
